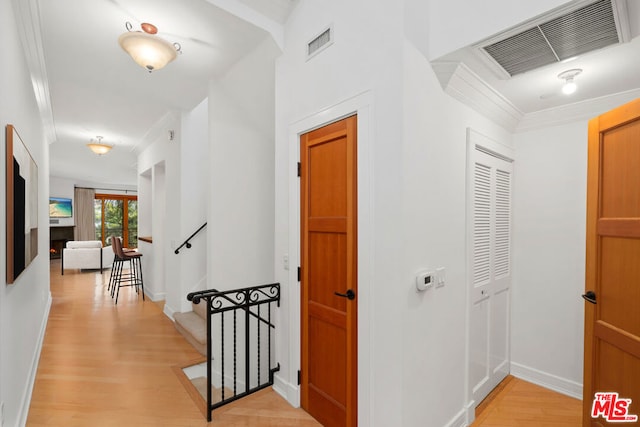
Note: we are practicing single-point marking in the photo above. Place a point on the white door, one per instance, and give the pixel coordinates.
(490, 269)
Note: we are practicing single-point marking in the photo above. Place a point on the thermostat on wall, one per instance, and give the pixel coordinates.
(425, 280)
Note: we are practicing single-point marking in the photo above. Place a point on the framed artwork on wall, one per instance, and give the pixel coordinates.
(22, 205)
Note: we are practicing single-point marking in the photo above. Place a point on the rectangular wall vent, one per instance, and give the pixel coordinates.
(574, 33)
(320, 43)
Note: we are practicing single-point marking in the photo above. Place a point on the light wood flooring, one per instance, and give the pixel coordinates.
(518, 403)
(107, 365)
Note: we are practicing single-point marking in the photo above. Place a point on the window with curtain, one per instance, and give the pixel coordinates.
(84, 212)
(116, 215)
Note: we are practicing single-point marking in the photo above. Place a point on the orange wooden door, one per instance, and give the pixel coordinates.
(612, 310)
(329, 267)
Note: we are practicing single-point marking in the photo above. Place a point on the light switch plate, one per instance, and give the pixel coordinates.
(440, 277)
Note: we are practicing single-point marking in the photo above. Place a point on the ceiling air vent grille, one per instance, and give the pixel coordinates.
(580, 31)
(319, 43)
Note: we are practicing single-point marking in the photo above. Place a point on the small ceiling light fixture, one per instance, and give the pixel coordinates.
(569, 86)
(98, 147)
(149, 51)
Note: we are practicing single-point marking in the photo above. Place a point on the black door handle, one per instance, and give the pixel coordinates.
(590, 296)
(349, 295)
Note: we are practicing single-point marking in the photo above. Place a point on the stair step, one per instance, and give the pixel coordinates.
(193, 328)
(200, 384)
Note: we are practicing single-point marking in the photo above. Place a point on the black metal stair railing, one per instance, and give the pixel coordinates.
(244, 331)
(187, 242)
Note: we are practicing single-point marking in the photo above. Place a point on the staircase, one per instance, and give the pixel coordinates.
(193, 326)
(235, 327)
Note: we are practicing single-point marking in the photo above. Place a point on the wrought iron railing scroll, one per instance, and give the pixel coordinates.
(240, 325)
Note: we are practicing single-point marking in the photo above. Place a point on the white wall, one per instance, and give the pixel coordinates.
(145, 224)
(24, 305)
(156, 288)
(240, 194)
(173, 178)
(418, 145)
(159, 166)
(413, 373)
(366, 57)
(193, 204)
(62, 187)
(65, 186)
(144, 203)
(454, 24)
(549, 250)
(221, 161)
(434, 235)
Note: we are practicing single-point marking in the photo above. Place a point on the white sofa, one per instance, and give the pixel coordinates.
(87, 254)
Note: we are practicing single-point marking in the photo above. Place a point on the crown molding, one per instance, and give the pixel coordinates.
(583, 110)
(27, 15)
(467, 87)
(462, 83)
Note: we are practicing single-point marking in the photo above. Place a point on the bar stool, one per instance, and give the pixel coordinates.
(116, 268)
(118, 277)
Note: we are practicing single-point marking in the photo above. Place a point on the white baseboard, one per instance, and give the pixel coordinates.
(155, 296)
(168, 311)
(288, 391)
(459, 420)
(546, 380)
(26, 397)
(470, 413)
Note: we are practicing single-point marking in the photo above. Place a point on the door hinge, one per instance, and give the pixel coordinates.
(299, 377)
(299, 169)
(299, 274)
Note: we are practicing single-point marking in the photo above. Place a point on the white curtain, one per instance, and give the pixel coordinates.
(84, 217)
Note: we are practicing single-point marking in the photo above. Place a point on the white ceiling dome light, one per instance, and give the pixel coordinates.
(99, 147)
(147, 49)
(568, 76)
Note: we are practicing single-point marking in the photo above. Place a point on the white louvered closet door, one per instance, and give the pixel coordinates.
(490, 272)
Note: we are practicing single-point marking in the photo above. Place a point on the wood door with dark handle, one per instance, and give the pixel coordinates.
(329, 273)
(612, 290)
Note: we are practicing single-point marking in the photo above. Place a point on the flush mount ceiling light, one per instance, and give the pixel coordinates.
(149, 51)
(98, 147)
(569, 86)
